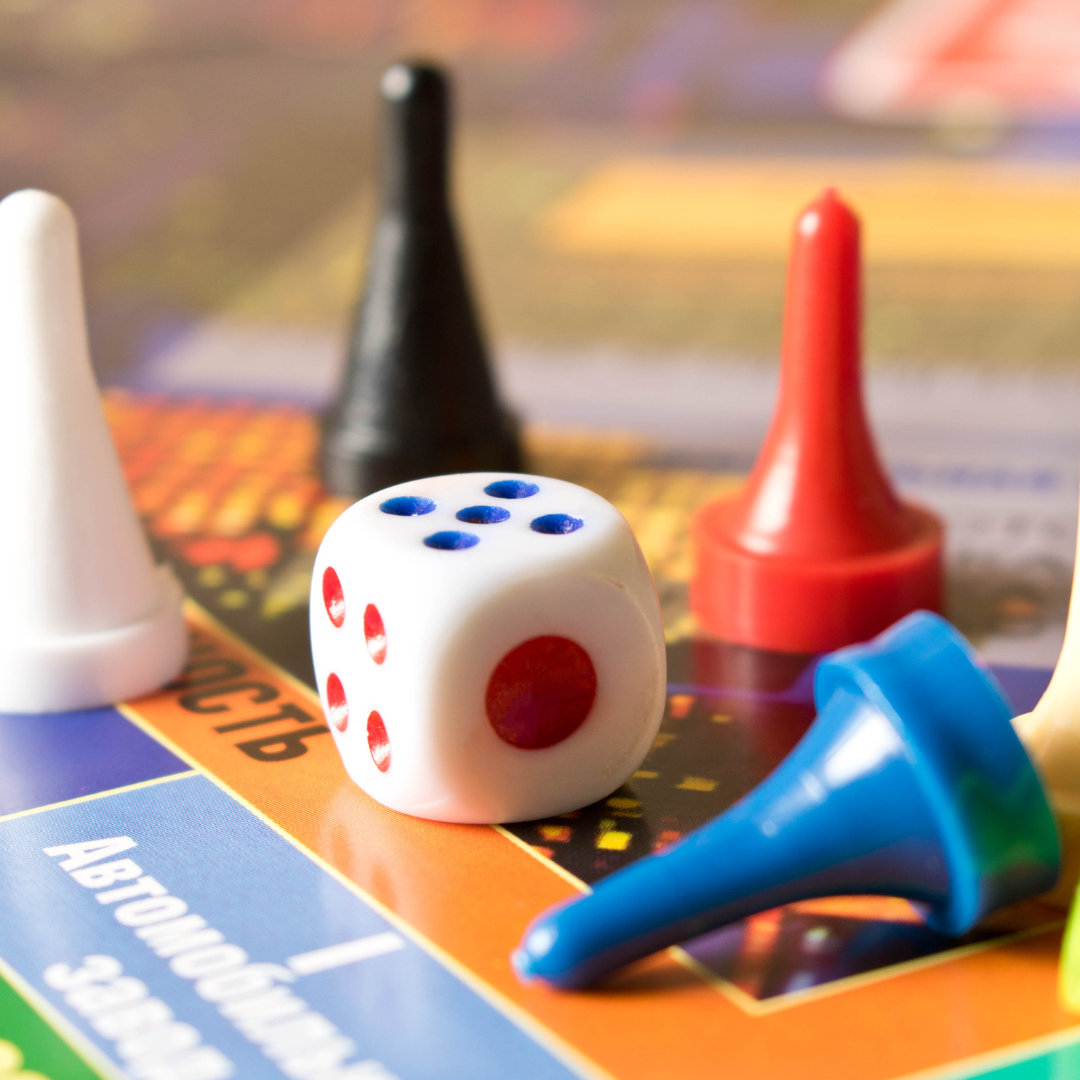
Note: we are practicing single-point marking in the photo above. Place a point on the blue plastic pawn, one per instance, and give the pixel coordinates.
(911, 783)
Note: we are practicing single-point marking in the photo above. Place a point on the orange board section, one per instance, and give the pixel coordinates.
(468, 892)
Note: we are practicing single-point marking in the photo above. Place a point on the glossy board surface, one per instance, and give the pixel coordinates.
(775, 994)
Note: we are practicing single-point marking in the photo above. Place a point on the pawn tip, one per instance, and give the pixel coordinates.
(536, 944)
(828, 209)
(407, 79)
(522, 963)
(554, 953)
(32, 212)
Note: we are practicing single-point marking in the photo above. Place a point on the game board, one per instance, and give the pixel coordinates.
(396, 931)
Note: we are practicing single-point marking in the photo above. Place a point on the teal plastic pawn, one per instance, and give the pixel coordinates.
(911, 782)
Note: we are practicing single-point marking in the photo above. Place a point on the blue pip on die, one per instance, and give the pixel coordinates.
(911, 782)
(488, 646)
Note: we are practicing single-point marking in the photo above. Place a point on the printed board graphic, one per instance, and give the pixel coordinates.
(969, 58)
(184, 937)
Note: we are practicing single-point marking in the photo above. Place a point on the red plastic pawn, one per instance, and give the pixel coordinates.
(816, 551)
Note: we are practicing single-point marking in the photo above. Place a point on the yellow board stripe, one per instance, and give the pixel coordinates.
(913, 212)
(97, 794)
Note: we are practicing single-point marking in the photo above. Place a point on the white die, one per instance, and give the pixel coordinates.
(510, 673)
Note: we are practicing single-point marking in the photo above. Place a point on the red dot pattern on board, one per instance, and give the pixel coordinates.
(378, 742)
(374, 633)
(333, 596)
(208, 550)
(541, 692)
(335, 701)
(256, 552)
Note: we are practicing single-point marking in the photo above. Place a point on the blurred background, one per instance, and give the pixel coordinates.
(627, 173)
(627, 170)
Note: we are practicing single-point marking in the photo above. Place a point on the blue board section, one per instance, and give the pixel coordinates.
(401, 1009)
(54, 757)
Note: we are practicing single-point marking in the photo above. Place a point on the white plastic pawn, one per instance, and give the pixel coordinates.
(1051, 733)
(488, 646)
(88, 619)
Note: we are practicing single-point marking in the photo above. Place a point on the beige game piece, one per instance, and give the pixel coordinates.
(1051, 733)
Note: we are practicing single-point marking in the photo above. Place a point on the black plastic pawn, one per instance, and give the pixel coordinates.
(418, 397)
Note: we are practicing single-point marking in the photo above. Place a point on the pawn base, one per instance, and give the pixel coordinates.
(809, 605)
(1067, 814)
(355, 464)
(85, 671)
